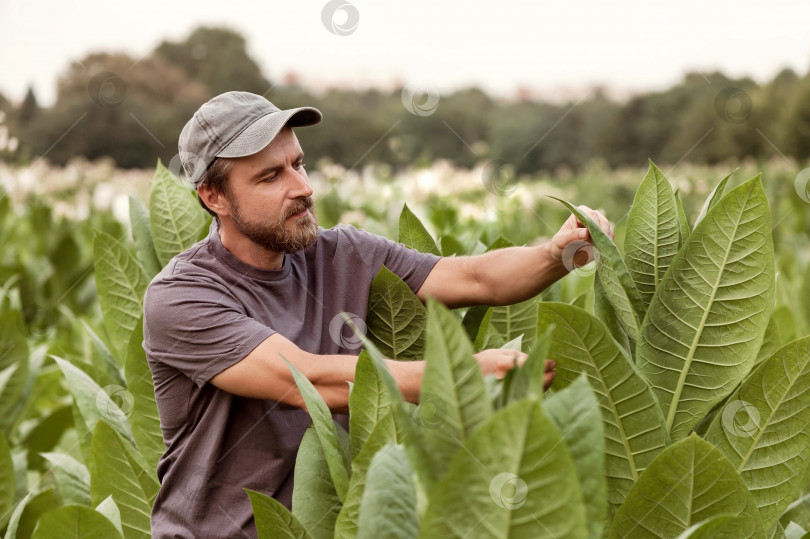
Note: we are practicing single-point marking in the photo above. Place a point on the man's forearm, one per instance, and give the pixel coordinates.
(263, 374)
(332, 384)
(515, 274)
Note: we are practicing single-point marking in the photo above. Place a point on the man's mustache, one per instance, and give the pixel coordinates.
(304, 204)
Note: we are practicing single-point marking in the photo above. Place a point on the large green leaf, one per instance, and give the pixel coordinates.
(653, 233)
(142, 236)
(100, 355)
(273, 520)
(771, 342)
(683, 221)
(93, 402)
(37, 505)
(706, 322)
(688, 483)
(389, 508)
(633, 425)
(175, 217)
(616, 280)
(406, 423)
(74, 521)
(512, 321)
(798, 512)
(487, 336)
(13, 367)
(474, 318)
(714, 197)
(315, 503)
(452, 386)
(72, 478)
(603, 310)
(575, 412)
(385, 432)
(336, 457)
(7, 481)
(709, 528)
(121, 285)
(114, 472)
(396, 318)
(513, 478)
(764, 431)
(413, 234)
(110, 509)
(368, 402)
(527, 381)
(14, 521)
(144, 419)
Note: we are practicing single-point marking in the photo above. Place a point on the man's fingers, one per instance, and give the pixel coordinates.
(599, 218)
(548, 378)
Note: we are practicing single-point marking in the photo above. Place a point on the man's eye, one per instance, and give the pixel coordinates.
(301, 165)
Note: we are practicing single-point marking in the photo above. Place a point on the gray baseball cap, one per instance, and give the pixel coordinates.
(234, 124)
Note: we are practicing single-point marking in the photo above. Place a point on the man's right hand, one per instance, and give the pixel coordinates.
(497, 361)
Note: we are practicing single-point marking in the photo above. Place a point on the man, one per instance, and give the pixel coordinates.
(267, 282)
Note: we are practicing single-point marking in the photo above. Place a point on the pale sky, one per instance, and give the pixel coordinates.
(555, 48)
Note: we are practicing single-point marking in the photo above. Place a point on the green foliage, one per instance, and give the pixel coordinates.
(413, 234)
(691, 481)
(396, 319)
(7, 480)
(653, 233)
(144, 414)
(694, 348)
(633, 424)
(763, 429)
(452, 385)
(175, 218)
(336, 454)
(514, 477)
(575, 412)
(680, 331)
(388, 508)
(121, 285)
(114, 472)
(75, 521)
(273, 519)
(14, 367)
(315, 502)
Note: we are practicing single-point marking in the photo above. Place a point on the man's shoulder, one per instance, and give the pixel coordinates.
(191, 265)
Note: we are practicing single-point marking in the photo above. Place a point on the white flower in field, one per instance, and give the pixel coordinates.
(103, 195)
(120, 207)
(427, 180)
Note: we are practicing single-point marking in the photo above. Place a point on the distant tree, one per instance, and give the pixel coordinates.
(112, 105)
(28, 109)
(218, 58)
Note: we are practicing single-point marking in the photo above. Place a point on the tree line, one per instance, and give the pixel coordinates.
(132, 110)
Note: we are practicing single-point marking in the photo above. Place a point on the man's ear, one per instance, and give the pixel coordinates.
(216, 202)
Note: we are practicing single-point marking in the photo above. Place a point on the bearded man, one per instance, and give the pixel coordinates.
(269, 282)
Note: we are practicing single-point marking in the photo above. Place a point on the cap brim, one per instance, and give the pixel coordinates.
(261, 132)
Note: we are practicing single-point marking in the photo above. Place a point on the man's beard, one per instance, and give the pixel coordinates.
(279, 236)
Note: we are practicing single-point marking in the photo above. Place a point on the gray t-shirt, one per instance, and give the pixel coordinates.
(205, 312)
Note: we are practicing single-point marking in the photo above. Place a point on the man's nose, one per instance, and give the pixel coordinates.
(301, 187)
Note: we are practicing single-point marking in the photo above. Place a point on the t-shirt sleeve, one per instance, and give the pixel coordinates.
(192, 323)
(408, 264)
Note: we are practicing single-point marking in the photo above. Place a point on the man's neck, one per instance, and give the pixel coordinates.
(248, 251)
